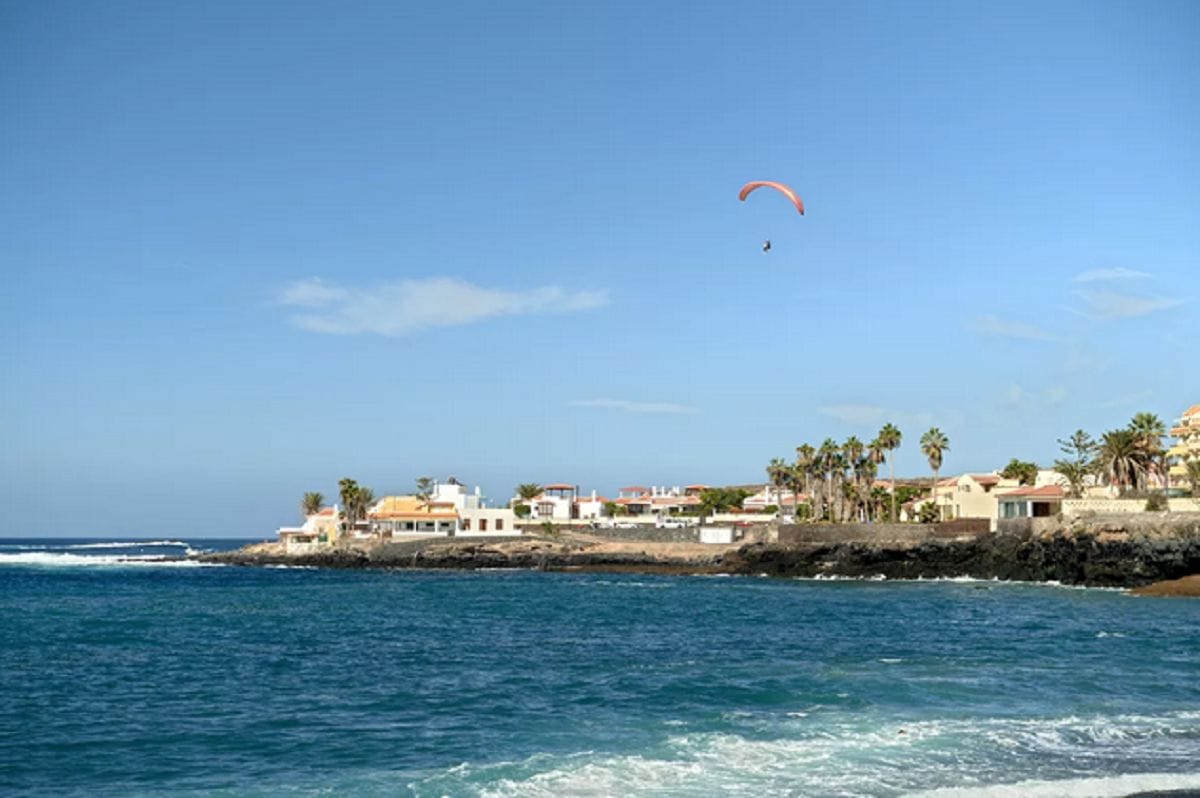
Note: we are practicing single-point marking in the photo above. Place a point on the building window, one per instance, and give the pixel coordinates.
(483, 525)
(499, 524)
(466, 524)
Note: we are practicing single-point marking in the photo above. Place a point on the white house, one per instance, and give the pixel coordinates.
(318, 529)
(450, 510)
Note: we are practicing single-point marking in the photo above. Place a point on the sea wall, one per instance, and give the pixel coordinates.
(794, 534)
(1110, 551)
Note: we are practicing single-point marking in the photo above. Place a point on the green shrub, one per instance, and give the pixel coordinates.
(929, 513)
(1156, 503)
(522, 511)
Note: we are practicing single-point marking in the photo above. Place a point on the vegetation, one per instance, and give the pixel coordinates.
(934, 445)
(527, 492)
(928, 514)
(889, 439)
(1025, 473)
(311, 504)
(522, 510)
(1080, 450)
(355, 501)
(837, 479)
(1156, 503)
(1193, 474)
(425, 490)
(720, 500)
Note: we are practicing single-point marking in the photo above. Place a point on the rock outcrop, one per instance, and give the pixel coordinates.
(1118, 551)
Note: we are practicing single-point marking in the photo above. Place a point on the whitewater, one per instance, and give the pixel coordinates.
(127, 670)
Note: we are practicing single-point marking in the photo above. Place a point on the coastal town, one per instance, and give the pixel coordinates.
(1144, 467)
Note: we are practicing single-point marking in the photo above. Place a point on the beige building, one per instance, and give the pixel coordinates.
(319, 529)
(1187, 444)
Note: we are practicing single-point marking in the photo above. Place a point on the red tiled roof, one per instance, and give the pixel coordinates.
(986, 479)
(581, 499)
(1044, 492)
(634, 500)
(632, 488)
(558, 486)
(695, 487)
(1194, 410)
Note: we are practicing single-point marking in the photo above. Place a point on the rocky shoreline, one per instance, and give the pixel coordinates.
(1109, 552)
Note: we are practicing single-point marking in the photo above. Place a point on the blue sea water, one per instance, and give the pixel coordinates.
(125, 670)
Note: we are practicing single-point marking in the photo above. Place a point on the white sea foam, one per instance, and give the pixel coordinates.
(1096, 787)
(131, 544)
(935, 758)
(62, 559)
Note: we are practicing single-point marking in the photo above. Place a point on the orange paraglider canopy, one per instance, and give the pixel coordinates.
(780, 187)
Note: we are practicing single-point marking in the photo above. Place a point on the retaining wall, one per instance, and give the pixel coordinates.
(882, 533)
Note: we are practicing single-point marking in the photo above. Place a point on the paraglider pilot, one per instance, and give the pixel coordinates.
(767, 245)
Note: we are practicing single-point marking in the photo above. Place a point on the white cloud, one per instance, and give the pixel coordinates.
(626, 406)
(992, 325)
(1097, 275)
(1114, 305)
(1016, 395)
(860, 415)
(406, 306)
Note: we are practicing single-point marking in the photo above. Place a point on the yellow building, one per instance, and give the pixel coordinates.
(398, 515)
(1187, 443)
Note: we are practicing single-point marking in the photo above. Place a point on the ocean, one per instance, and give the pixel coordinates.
(128, 671)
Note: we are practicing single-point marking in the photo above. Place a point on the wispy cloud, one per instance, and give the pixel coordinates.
(1113, 305)
(868, 415)
(1006, 328)
(861, 415)
(1099, 275)
(626, 406)
(1015, 396)
(406, 306)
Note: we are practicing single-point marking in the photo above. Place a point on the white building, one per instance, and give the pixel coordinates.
(451, 510)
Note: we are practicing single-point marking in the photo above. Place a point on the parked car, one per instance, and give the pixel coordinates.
(666, 522)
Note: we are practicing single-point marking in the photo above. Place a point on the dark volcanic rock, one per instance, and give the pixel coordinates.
(1065, 556)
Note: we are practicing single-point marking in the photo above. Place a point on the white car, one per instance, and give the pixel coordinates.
(671, 523)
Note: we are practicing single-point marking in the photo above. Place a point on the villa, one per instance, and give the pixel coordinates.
(1032, 502)
(319, 529)
(450, 510)
(655, 500)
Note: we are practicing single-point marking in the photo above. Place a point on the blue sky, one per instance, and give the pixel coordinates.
(251, 248)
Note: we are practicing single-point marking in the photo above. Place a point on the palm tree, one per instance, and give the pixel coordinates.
(889, 438)
(1120, 458)
(806, 456)
(934, 444)
(311, 504)
(826, 460)
(777, 475)
(528, 491)
(1150, 430)
(348, 492)
(1193, 474)
(425, 490)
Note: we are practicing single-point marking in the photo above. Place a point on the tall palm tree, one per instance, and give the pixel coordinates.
(1120, 459)
(311, 504)
(806, 456)
(1150, 430)
(826, 460)
(934, 445)
(777, 476)
(348, 492)
(890, 437)
(425, 490)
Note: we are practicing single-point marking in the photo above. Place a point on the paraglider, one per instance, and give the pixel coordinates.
(780, 187)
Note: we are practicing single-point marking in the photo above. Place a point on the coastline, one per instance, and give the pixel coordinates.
(1100, 552)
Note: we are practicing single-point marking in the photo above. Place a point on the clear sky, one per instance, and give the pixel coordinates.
(249, 248)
